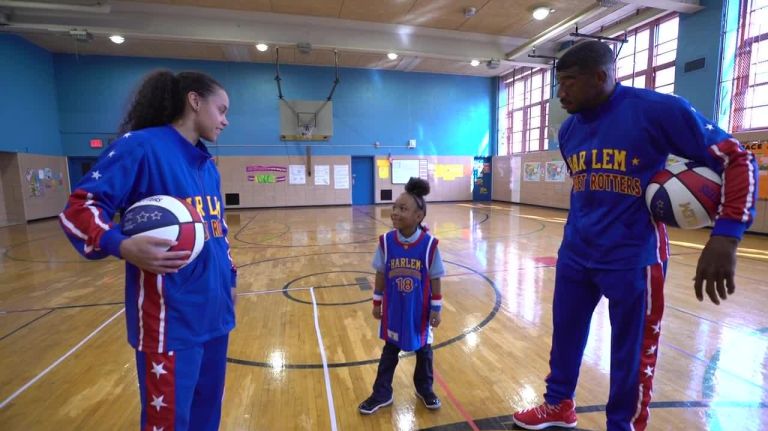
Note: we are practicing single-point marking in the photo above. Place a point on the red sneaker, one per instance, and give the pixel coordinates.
(545, 415)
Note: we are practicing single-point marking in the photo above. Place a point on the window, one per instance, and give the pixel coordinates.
(749, 110)
(647, 59)
(523, 110)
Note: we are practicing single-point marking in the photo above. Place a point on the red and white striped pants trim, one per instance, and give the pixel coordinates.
(151, 306)
(650, 343)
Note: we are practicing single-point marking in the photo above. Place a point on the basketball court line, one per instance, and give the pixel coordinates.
(680, 350)
(236, 237)
(262, 292)
(731, 374)
(389, 224)
(708, 381)
(456, 404)
(745, 331)
(326, 375)
(748, 253)
(585, 409)
(496, 307)
(505, 421)
(61, 307)
(737, 276)
(741, 330)
(25, 325)
(60, 360)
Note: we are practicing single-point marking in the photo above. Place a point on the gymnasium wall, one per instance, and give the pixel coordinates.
(445, 114)
(59, 102)
(524, 178)
(757, 142)
(450, 178)
(44, 185)
(266, 181)
(32, 186)
(699, 37)
(10, 190)
(537, 178)
(29, 114)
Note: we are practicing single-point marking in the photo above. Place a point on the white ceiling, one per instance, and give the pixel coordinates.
(429, 35)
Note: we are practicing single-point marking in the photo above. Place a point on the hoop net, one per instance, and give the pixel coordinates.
(305, 130)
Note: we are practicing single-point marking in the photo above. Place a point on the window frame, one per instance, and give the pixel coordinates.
(527, 76)
(650, 71)
(743, 59)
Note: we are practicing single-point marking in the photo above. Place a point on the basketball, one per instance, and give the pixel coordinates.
(167, 217)
(684, 195)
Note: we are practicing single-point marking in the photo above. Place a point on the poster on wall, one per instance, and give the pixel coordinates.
(762, 164)
(382, 166)
(40, 180)
(515, 167)
(33, 182)
(760, 150)
(340, 176)
(424, 169)
(449, 172)
(322, 175)
(403, 170)
(297, 174)
(532, 171)
(266, 174)
(555, 171)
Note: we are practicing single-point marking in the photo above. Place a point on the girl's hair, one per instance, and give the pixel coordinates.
(418, 188)
(161, 98)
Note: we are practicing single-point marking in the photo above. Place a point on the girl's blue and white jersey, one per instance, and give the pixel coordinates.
(408, 268)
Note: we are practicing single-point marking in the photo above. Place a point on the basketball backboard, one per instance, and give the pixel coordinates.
(306, 120)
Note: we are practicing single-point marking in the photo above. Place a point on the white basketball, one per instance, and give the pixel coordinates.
(167, 217)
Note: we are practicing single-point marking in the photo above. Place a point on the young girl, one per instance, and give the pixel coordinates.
(178, 319)
(407, 297)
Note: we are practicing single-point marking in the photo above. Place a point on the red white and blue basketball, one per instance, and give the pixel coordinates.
(170, 218)
(684, 195)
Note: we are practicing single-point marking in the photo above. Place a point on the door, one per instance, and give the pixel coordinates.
(481, 179)
(78, 167)
(362, 180)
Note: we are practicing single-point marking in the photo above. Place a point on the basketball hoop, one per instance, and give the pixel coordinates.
(306, 122)
(305, 130)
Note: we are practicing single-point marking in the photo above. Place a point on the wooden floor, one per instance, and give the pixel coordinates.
(65, 363)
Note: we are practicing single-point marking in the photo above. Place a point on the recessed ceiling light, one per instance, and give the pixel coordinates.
(392, 56)
(541, 12)
(475, 63)
(116, 38)
(262, 47)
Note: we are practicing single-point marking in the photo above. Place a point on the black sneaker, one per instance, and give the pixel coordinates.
(372, 404)
(431, 401)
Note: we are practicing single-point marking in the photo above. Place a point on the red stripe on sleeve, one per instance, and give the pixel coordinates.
(738, 180)
(81, 215)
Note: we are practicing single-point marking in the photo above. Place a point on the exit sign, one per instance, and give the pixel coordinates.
(97, 143)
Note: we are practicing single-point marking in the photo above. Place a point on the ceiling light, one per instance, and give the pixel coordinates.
(116, 38)
(392, 56)
(262, 47)
(475, 63)
(541, 12)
